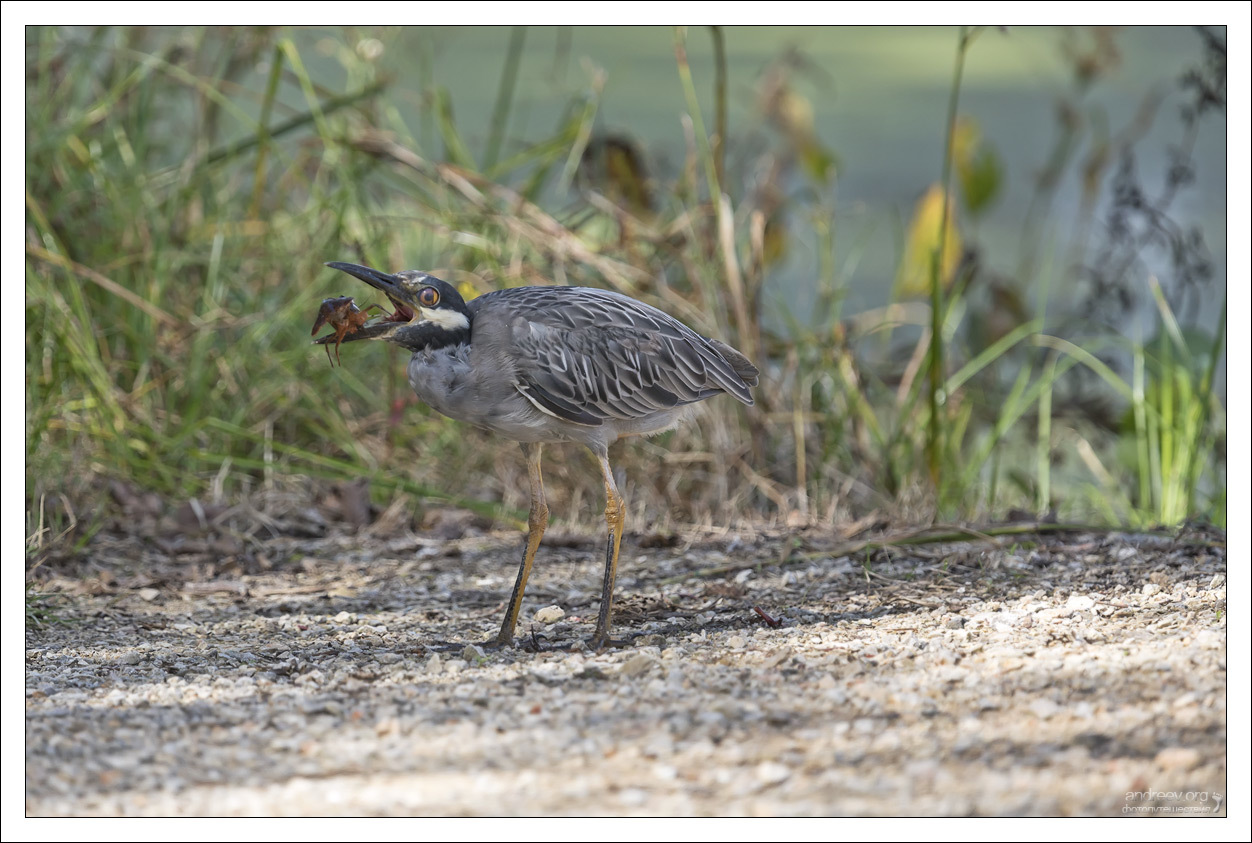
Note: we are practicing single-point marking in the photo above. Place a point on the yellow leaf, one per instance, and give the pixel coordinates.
(467, 290)
(913, 278)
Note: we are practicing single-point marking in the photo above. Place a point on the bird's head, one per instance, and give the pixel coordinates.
(429, 312)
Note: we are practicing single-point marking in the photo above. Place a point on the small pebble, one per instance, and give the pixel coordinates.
(769, 772)
(636, 665)
(1178, 758)
(549, 614)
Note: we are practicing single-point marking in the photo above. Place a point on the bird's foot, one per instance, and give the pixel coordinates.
(497, 642)
(601, 642)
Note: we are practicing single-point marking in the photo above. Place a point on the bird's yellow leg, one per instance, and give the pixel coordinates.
(538, 523)
(615, 515)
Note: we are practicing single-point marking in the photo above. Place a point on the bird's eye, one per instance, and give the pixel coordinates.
(429, 297)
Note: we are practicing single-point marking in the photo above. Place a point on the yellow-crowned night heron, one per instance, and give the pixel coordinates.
(552, 364)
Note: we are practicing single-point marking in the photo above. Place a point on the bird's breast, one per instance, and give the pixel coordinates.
(480, 393)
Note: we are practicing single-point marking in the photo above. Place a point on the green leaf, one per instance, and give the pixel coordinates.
(454, 148)
(981, 179)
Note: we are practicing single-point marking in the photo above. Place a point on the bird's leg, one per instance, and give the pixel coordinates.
(615, 515)
(538, 523)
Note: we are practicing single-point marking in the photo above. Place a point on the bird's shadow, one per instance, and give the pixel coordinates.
(660, 634)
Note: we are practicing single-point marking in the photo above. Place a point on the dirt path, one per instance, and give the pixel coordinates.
(1084, 676)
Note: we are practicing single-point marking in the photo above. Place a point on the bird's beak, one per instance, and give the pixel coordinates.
(388, 285)
(381, 281)
(375, 331)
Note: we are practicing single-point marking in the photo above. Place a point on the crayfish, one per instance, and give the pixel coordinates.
(344, 316)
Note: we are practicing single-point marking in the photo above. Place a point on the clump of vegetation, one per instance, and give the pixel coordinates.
(178, 216)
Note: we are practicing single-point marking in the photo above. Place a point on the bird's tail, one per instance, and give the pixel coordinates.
(743, 367)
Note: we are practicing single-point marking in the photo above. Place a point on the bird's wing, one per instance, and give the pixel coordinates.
(589, 356)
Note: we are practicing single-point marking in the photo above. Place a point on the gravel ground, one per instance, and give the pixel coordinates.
(768, 675)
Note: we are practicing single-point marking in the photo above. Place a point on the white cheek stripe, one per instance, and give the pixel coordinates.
(450, 320)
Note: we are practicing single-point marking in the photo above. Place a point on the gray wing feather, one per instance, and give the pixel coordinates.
(588, 355)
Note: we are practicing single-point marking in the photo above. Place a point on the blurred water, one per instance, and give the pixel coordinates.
(880, 97)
